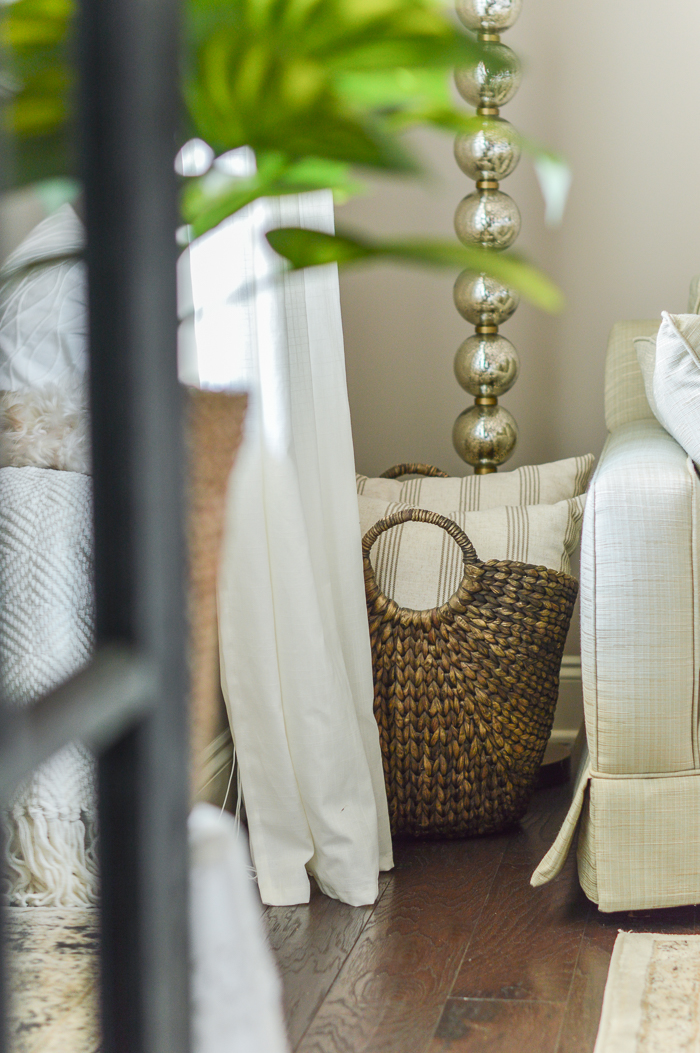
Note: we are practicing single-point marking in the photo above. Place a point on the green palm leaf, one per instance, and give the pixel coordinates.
(310, 248)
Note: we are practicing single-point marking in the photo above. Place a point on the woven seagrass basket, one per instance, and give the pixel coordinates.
(464, 694)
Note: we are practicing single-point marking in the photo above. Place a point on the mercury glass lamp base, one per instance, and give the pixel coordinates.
(485, 436)
(489, 218)
(488, 16)
(482, 300)
(493, 80)
(492, 152)
(486, 365)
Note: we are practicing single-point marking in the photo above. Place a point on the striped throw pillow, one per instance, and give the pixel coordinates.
(532, 485)
(420, 566)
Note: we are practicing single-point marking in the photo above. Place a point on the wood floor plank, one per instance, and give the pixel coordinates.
(582, 1017)
(497, 1026)
(457, 854)
(389, 996)
(580, 1025)
(311, 943)
(382, 980)
(527, 940)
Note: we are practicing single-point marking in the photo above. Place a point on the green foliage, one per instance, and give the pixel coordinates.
(317, 78)
(313, 86)
(212, 198)
(309, 248)
(36, 38)
(328, 79)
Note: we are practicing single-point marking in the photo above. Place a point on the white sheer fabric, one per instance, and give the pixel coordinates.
(296, 666)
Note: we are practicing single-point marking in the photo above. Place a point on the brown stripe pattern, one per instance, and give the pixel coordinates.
(518, 537)
(420, 567)
(530, 485)
(429, 487)
(387, 553)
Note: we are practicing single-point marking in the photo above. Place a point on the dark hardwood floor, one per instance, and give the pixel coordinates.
(459, 954)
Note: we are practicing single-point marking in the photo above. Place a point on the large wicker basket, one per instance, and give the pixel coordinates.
(464, 694)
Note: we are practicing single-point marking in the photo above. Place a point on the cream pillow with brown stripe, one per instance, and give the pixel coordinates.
(532, 485)
(420, 566)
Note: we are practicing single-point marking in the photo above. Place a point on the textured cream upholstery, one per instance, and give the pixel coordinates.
(625, 400)
(641, 843)
(639, 618)
(694, 296)
(637, 801)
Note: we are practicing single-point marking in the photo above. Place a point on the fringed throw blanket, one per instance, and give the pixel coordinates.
(46, 628)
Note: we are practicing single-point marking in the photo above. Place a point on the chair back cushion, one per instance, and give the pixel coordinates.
(625, 400)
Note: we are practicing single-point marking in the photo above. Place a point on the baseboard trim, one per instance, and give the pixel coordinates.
(570, 667)
(565, 736)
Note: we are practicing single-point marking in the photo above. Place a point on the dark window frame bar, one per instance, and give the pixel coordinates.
(130, 703)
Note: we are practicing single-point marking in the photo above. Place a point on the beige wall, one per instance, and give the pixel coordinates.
(615, 85)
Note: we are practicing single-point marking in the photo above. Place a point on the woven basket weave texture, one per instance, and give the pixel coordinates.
(464, 694)
(413, 468)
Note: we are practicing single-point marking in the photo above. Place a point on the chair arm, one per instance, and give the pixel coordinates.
(639, 605)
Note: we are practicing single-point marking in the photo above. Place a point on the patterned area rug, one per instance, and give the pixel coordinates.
(652, 996)
(53, 996)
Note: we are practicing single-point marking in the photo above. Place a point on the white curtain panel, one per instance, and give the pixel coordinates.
(296, 665)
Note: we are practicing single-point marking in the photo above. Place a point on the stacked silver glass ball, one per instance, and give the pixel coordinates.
(486, 364)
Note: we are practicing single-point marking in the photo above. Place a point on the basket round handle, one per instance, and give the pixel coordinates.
(413, 469)
(418, 515)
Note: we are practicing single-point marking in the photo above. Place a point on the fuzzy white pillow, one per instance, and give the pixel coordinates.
(420, 566)
(46, 427)
(672, 378)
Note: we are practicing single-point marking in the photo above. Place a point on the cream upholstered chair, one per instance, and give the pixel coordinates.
(637, 798)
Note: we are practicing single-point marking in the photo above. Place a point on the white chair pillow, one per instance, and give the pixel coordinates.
(531, 485)
(420, 566)
(672, 378)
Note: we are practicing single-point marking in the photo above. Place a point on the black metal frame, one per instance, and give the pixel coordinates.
(130, 704)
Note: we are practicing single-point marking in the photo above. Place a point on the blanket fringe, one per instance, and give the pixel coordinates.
(51, 859)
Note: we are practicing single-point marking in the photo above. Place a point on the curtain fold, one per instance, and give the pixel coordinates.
(295, 654)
